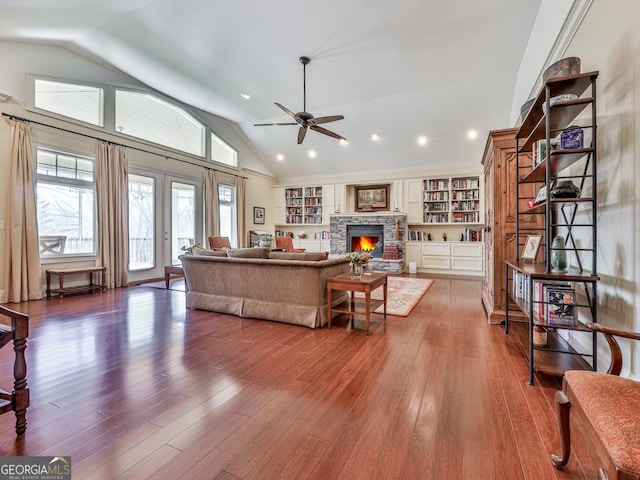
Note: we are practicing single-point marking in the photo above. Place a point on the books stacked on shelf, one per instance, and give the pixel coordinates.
(462, 183)
(540, 149)
(552, 302)
(282, 233)
(417, 235)
(323, 235)
(472, 235)
(436, 218)
(560, 305)
(438, 184)
(470, 217)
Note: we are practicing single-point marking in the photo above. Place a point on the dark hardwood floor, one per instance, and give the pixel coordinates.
(132, 385)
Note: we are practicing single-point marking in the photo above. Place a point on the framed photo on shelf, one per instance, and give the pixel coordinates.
(258, 215)
(531, 246)
(371, 198)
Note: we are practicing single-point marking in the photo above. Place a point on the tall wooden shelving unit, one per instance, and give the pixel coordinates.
(561, 216)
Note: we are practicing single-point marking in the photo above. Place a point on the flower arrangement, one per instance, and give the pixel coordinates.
(189, 248)
(359, 257)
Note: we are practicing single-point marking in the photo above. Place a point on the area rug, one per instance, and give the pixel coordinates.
(403, 294)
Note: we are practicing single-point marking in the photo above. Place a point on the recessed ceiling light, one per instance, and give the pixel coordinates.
(375, 137)
(422, 140)
(312, 153)
(246, 96)
(472, 134)
(280, 157)
(343, 142)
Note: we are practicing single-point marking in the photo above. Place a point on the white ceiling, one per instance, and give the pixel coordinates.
(400, 69)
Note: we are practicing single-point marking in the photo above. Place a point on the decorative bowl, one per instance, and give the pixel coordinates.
(562, 68)
(302, 234)
(565, 189)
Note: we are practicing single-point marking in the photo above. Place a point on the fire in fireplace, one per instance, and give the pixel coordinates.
(366, 238)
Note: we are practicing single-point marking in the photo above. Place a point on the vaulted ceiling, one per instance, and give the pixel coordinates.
(402, 69)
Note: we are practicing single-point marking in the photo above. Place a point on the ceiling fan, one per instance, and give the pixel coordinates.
(305, 119)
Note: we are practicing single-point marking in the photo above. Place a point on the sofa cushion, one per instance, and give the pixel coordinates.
(255, 252)
(210, 253)
(310, 256)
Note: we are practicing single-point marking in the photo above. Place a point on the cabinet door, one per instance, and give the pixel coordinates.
(413, 253)
(278, 206)
(339, 198)
(396, 196)
(414, 201)
(328, 203)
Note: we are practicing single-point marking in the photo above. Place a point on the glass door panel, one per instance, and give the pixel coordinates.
(183, 218)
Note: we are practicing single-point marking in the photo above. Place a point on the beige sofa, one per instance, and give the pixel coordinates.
(257, 283)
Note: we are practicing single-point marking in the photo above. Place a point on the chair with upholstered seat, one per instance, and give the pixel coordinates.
(286, 244)
(610, 408)
(219, 243)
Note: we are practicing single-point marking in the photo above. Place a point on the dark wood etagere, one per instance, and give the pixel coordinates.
(566, 104)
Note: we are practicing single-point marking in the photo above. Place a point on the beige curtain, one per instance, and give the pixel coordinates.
(113, 214)
(211, 226)
(23, 277)
(241, 185)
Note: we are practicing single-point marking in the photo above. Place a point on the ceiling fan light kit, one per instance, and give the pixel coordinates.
(304, 118)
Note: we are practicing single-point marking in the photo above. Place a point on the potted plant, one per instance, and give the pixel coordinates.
(264, 239)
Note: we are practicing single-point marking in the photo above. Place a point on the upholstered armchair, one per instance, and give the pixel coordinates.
(610, 408)
(286, 243)
(219, 243)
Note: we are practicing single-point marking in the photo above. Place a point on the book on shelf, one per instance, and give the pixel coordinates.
(540, 149)
(560, 305)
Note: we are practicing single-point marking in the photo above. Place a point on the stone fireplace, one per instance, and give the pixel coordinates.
(379, 227)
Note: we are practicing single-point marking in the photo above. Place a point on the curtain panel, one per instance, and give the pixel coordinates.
(113, 212)
(211, 205)
(23, 274)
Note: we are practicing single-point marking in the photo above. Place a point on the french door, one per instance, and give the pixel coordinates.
(165, 215)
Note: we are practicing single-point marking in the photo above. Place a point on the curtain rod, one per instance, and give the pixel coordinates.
(15, 117)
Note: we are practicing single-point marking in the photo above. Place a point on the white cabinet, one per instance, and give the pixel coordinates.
(312, 245)
(278, 206)
(328, 202)
(339, 197)
(453, 258)
(413, 204)
(413, 253)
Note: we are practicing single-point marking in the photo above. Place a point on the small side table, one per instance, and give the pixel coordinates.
(172, 270)
(366, 284)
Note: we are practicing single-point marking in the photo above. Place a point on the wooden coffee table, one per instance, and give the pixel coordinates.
(348, 283)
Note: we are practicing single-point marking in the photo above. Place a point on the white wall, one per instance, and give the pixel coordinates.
(608, 40)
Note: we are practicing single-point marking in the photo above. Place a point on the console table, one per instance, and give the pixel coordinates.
(366, 284)
(92, 286)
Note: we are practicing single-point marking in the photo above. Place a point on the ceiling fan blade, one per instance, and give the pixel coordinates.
(327, 132)
(287, 110)
(330, 118)
(301, 133)
(269, 124)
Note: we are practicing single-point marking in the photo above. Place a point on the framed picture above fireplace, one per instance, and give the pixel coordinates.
(372, 198)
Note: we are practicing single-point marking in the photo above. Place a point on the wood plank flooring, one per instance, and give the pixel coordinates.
(132, 385)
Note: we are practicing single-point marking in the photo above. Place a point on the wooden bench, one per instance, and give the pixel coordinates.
(610, 408)
(18, 400)
(92, 286)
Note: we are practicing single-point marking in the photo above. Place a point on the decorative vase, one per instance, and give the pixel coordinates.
(357, 270)
(539, 336)
(558, 255)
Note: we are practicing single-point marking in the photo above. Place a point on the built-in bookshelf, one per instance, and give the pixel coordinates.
(451, 200)
(303, 206)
